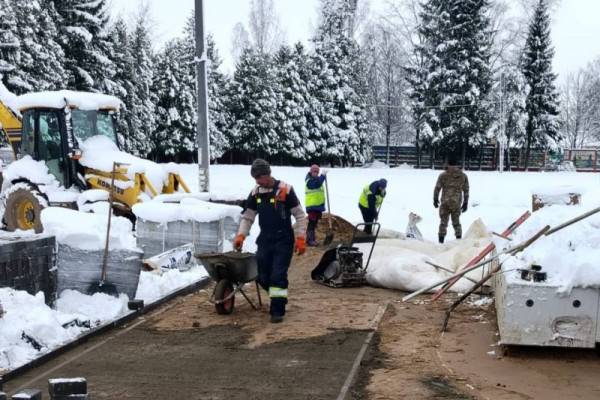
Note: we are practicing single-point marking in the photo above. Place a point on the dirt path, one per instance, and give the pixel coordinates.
(188, 351)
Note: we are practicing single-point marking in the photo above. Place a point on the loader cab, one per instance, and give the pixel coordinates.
(54, 137)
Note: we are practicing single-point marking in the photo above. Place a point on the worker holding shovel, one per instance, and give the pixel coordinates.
(454, 185)
(275, 202)
(314, 200)
(370, 202)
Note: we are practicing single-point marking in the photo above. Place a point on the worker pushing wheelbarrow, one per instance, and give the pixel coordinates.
(230, 270)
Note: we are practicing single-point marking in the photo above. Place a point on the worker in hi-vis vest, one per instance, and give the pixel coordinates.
(370, 202)
(275, 202)
(314, 201)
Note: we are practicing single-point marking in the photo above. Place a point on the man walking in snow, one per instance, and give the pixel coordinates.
(315, 201)
(275, 202)
(454, 185)
(370, 201)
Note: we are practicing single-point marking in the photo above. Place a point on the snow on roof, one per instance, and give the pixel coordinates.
(62, 98)
(189, 209)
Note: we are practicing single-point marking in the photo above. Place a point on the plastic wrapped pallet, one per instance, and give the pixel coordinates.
(164, 226)
(28, 263)
(155, 238)
(78, 269)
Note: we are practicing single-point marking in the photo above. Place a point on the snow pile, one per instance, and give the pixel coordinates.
(154, 286)
(29, 328)
(99, 152)
(377, 165)
(33, 171)
(569, 256)
(401, 263)
(190, 209)
(87, 231)
(63, 98)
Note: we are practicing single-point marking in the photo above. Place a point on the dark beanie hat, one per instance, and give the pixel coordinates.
(259, 168)
(452, 161)
(383, 183)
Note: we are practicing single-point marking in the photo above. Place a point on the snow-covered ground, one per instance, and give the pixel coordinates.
(29, 328)
(496, 200)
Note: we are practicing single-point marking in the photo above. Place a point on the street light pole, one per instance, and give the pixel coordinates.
(202, 126)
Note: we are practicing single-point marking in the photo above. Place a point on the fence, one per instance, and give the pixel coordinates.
(486, 158)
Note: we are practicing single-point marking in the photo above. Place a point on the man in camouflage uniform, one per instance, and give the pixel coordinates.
(454, 185)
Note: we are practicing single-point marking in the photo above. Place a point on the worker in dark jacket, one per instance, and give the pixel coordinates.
(314, 201)
(454, 185)
(275, 202)
(370, 201)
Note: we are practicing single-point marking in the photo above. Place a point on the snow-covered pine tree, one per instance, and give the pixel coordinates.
(542, 129)
(423, 73)
(10, 49)
(219, 118)
(174, 134)
(141, 108)
(84, 39)
(340, 110)
(42, 58)
(254, 105)
(456, 51)
(124, 76)
(292, 104)
(510, 93)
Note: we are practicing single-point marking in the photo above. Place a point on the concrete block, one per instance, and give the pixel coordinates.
(66, 386)
(28, 394)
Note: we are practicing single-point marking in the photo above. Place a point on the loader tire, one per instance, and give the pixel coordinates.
(23, 211)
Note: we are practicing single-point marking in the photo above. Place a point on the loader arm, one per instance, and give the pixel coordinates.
(10, 125)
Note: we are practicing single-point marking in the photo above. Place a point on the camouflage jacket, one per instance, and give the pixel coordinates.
(454, 185)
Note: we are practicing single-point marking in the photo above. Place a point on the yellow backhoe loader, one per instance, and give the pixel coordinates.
(50, 127)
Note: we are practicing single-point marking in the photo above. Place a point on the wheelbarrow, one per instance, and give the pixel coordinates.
(231, 271)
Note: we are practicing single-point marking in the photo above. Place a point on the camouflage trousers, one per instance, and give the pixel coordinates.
(447, 211)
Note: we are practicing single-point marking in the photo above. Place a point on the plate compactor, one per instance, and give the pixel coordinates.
(342, 265)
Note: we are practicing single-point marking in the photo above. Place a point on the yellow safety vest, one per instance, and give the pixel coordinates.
(363, 201)
(314, 197)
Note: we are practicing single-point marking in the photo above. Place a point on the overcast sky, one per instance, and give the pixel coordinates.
(575, 27)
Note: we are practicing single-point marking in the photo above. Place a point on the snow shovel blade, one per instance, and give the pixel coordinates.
(103, 287)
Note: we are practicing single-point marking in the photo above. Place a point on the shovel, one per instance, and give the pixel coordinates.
(102, 286)
(329, 236)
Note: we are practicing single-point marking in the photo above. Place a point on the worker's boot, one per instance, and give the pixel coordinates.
(277, 309)
(311, 238)
(441, 238)
(459, 236)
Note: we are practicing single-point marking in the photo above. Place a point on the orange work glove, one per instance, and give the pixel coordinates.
(300, 245)
(238, 242)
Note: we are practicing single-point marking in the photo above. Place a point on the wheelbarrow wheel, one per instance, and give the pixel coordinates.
(224, 289)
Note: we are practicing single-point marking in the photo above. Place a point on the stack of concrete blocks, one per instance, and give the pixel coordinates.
(28, 263)
(207, 237)
(78, 269)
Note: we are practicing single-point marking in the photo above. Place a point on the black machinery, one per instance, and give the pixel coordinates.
(342, 265)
